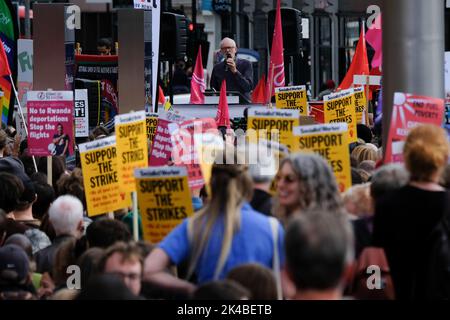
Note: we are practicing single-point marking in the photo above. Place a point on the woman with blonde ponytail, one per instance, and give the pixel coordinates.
(226, 233)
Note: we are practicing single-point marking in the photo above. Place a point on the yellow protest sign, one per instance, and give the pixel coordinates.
(292, 98)
(340, 107)
(208, 146)
(330, 142)
(164, 200)
(272, 124)
(132, 148)
(102, 185)
(360, 104)
(152, 124)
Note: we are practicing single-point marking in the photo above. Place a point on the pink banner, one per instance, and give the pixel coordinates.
(184, 151)
(50, 123)
(408, 112)
(161, 152)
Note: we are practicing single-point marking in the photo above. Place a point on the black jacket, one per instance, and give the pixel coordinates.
(241, 81)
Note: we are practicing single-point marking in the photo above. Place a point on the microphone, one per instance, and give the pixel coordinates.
(226, 58)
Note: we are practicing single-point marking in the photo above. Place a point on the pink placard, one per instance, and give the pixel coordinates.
(50, 123)
(161, 151)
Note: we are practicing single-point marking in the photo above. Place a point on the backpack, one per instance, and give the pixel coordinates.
(372, 256)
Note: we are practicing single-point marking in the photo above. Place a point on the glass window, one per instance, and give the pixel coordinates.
(348, 34)
(323, 63)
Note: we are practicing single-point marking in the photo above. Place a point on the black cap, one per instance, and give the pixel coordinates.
(14, 263)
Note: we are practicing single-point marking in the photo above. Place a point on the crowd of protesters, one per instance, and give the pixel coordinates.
(265, 231)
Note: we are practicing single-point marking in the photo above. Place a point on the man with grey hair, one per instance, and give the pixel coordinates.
(66, 217)
(319, 253)
(388, 178)
(238, 73)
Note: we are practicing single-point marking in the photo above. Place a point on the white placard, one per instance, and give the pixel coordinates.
(81, 113)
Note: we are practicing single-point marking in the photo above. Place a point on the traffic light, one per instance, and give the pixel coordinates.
(174, 36)
(196, 37)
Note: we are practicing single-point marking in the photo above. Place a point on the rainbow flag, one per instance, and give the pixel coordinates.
(8, 35)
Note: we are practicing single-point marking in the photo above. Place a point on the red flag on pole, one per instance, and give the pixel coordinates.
(359, 65)
(198, 85)
(276, 65)
(259, 94)
(4, 65)
(223, 114)
(161, 98)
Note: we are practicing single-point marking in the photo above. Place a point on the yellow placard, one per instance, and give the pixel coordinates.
(164, 200)
(208, 145)
(330, 142)
(360, 104)
(102, 185)
(292, 98)
(272, 124)
(132, 147)
(340, 107)
(152, 124)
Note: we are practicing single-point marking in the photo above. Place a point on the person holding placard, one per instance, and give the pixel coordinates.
(226, 233)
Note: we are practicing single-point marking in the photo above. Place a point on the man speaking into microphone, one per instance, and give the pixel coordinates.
(238, 73)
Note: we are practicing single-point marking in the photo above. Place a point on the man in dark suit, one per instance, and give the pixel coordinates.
(237, 73)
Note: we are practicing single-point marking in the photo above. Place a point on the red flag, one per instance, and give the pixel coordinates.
(161, 98)
(4, 65)
(359, 65)
(198, 85)
(259, 93)
(223, 114)
(276, 66)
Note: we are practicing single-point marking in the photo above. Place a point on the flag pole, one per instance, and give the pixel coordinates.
(271, 86)
(21, 115)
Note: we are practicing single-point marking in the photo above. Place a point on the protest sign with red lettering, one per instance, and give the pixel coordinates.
(184, 150)
(50, 123)
(408, 112)
(162, 145)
